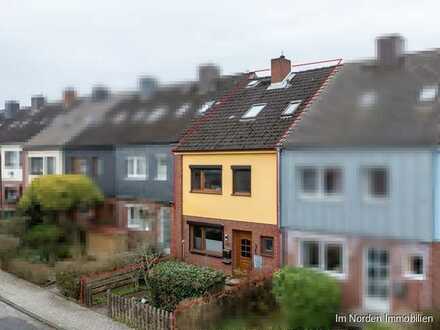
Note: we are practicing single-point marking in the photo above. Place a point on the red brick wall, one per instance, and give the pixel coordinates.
(435, 275)
(176, 221)
(257, 230)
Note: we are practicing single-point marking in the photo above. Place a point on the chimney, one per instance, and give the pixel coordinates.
(147, 86)
(37, 101)
(208, 75)
(11, 109)
(279, 68)
(390, 50)
(69, 96)
(100, 93)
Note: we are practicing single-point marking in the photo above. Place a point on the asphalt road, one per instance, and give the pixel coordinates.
(12, 319)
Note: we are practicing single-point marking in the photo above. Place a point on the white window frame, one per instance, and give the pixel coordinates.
(136, 223)
(407, 273)
(30, 165)
(367, 99)
(159, 158)
(428, 93)
(136, 175)
(260, 107)
(17, 155)
(323, 243)
(320, 193)
(365, 173)
(295, 104)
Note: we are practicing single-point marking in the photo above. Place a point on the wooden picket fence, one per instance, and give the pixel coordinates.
(138, 315)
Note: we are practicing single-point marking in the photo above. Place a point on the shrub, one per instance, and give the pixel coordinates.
(37, 273)
(308, 299)
(14, 226)
(171, 281)
(8, 249)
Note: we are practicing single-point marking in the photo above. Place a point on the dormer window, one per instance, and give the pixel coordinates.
(253, 83)
(206, 106)
(428, 93)
(283, 83)
(182, 109)
(253, 111)
(156, 115)
(291, 108)
(119, 118)
(138, 116)
(367, 99)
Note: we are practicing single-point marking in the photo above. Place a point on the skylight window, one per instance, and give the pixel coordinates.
(283, 83)
(182, 109)
(291, 108)
(119, 118)
(139, 115)
(205, 107)
(428, 93)
(367, 99)
(156, 115)
(253, 83)
(253, 111)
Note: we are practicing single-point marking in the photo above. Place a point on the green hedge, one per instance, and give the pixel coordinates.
(308, 299)
(170, 282)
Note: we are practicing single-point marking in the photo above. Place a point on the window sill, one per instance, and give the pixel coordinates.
(137, 228)
(322, 198)
(208, 192)
(208, 254)
(160, 179)
(136, 178)
(269, 255)
(241, 194)
(376, 200)
(414, 277)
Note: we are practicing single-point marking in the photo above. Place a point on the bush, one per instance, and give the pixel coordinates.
(15, 226)
(8, 249)
(171, 281)
(37, 273)
(308, 299)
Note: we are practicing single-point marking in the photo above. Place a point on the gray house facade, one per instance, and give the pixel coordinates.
(358, 186)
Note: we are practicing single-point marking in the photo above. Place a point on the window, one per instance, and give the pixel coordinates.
(253, 111)
(50, 165)
(367, 99)
(207, 239)
(377, 182)
(183, 109)
(156, 115)
(165, 229)
(291, 108)
(428, 93)
(96, 167)
(12, 159)
(206, 179)
(267, 246)
(79, 165)
(137, 218)
(36, 165)
(320, 182)
(136, 167)
(206, 106)
(11, 194)
(415, 266)
(325, 256)
(241, 180)
(161, 167)
(253, 83)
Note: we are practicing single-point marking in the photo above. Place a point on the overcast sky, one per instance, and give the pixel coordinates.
(46, 45)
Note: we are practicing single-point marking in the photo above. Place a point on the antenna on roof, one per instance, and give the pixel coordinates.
(282, 54)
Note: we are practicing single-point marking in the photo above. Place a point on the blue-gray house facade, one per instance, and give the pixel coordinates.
(359, 181)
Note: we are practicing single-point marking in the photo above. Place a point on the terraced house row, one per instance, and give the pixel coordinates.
(326, 165)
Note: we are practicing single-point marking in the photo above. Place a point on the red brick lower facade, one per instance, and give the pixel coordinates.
(260, 261)
(406, 292)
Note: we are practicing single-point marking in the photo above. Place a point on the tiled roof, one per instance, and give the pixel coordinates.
(27, 123)
(160, 119)
(224, 129)
(369, 105)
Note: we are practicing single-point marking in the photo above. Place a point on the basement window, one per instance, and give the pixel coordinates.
(253, 111)
(291, 108)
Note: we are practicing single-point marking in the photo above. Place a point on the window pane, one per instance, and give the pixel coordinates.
(196, 179)
(197, 237)
(416, 265)
(12, 159)
(333, 256)
(214, 239)
(309, 178)
(96, 166)
(213, 179)
(50, 165)
(130, 166)
(242, 180)
(141, 166)
(267, 245)
(332, 181)
(378, 182)
(161, 167)
(36, 165)
(310, 255)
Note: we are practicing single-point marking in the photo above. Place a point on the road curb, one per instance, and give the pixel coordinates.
(30, 314)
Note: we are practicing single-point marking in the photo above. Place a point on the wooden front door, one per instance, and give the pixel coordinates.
(243, 250)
